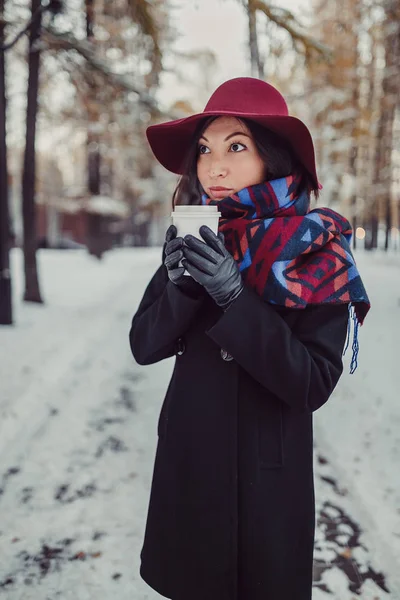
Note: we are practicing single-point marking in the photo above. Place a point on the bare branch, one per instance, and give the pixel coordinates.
(24, 30)
(67, 41)
(142, 13)
(287, 20)
(54, 7)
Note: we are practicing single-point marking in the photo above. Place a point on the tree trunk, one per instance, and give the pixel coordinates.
(356, 126)
(32, 292)
(89, 5)
(94, 222)
(257, 68)
(370, 137)
(353, 199)
(5, 273)
(371, 232)
(388, 219)
(383, 173)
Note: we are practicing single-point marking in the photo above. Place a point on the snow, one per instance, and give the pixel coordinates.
(78, 435)
(360, 425)
(76, 460)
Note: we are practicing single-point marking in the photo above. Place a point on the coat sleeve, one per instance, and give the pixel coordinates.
(301, 366)
(164, 314)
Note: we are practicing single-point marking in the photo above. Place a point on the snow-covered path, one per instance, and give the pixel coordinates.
(359, 428)
(78, 435)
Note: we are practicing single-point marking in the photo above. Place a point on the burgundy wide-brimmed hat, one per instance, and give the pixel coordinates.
(245, 97)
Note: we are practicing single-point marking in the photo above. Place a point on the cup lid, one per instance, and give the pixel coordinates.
(198, 214)
(193, 208)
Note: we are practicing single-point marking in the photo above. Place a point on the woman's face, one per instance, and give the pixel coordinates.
(228, 159)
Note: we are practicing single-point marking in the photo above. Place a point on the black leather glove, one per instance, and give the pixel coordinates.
(172, 254)
(211, 265)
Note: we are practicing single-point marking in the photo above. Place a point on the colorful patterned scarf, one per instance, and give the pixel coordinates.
(290, 255)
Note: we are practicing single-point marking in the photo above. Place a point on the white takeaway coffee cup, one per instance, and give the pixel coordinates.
(189, 219)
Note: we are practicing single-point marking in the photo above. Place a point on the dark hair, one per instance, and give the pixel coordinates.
(278, 157)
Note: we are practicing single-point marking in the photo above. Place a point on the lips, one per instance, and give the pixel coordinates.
(219, 191)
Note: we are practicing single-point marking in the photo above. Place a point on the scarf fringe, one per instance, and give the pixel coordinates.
(355, 345)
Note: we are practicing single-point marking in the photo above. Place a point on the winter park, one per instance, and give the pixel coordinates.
(176, 429)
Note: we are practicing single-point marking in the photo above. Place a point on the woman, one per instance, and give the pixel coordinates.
(258, 332)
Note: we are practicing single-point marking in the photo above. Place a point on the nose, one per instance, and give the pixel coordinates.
(217, 169)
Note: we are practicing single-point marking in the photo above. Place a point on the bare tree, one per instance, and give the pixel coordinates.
(93, 142)
(354, 85)
(336, 104)
(5, 274)
(368, 126)
(32, 291)
(283, 19)
(142, 13)
(383, 174)
(257, 66)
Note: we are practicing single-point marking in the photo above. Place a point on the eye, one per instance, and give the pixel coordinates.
(237, 147)
(203, 149)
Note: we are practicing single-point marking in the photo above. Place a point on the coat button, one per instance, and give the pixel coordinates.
(180, 347)
(225, 355)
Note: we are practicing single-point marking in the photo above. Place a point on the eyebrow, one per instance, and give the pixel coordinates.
(203, 137)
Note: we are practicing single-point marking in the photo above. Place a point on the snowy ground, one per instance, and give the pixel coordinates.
(78, 435)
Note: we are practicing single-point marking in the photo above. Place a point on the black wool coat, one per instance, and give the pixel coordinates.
(231, 513)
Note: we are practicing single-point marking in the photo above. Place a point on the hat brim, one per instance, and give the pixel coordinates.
(171, 141)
